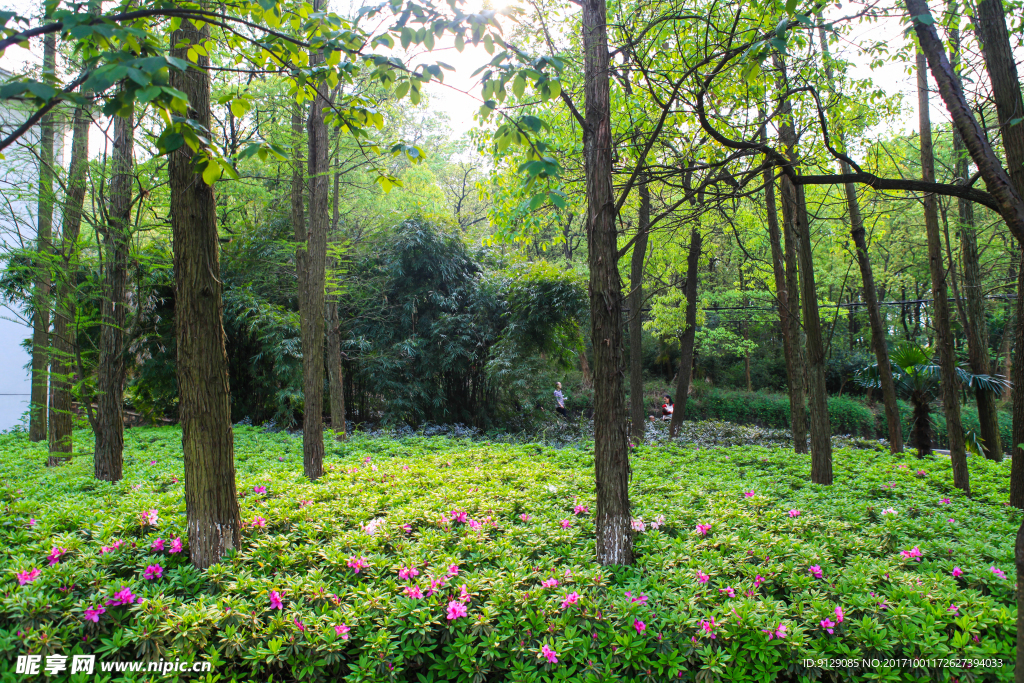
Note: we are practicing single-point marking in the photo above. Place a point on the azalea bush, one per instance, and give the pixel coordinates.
(445, 559)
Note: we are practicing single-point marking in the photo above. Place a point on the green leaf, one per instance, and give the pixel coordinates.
(537, 200)
(212, 172)
(519, 85)
(401, 89)
(790, 6)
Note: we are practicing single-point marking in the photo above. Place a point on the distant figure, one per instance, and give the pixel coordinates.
(667, 407)
(560, 400)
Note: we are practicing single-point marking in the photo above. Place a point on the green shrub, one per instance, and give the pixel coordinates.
(848, 415)
(484, 521)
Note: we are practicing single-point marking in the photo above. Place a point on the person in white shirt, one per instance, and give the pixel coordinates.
(560, 400)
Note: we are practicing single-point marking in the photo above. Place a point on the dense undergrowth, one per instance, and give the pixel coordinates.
(439, 559)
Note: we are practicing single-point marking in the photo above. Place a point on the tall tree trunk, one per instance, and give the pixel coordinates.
(44, 247)
(62, 362)
(312, 281)
(614, 541)
(689, 333)
(790, 342)
(109, 423)
(990, 27)
(211, 504)
(949, 382)
(794, 208)
(636, 301)
(878, 335)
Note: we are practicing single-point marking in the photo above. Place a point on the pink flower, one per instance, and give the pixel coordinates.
(298, 624)
(702, 577)
(25, 578)
(839, 615)
(56, 554)
(815, 570)
(456, 610)
(639, 625)
(93, 613)
(944, 501)
(730, 591)
(580, 510)
(779, 632)
(122, 597)
(758, 581)
(827, 625)
(453, 570)
(259, 489)
(566, 523)
(111, 548)
(473, 524)
(158, 545)
(551, 655)
(748, 494)
(357, 563)
(259, 522)
(953, 608)
(342, 630)
(152, 462)
(703, 529)
(658, 521)
(640, 599)
(549, 583)
(304, 503)
(997, 572)
(32, 521)
(957, 572)
(889, 511)
(638, 524)
(709, 627)
(910, 554)
(275, 600)
(153, 571)
(150, 517)
(460, 517)
(406, 573)
(794, 513)
(413, 592)
(176, 545)
(525, 517)
(407, 528)
(571, 599)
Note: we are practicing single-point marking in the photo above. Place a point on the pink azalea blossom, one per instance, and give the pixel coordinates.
(413, 592)
(729, 590)
(453, 570)
(176, 545)
(153, 571)
(580, 510)
(93, 613)
(815, 570)
(638, 524)
(259, 522)
(122, 597)
(779, 632)
(839, 615)
(259, 489)
(551, 655)
(709, 627)
(56, 554)
(758, 581)
(997, 572)
(827, 624)
(158, 545)
(639, 626)
(456, 610)
(458, 516)
(794, 513)
(406, 573)
(658, 522)
(702, 577)
(549, 583)
(525, 517)
(275, 600)
(571, 599)
(703, 529)
(463, 594)
(748, 494)
(957, 572)
(150, 517)
(566, 523)
(953, 608)
(407, 528)
(25, 578)
(111, 548)
(32, 521)
(944, 501)
(473, 524)
(910, 554)
(357, 563)
(304, 503)
(641, 599)
(152, 462)
(298, 624)
(342, 630)
(889, 511)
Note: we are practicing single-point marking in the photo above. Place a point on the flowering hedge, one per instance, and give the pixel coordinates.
(431, 559)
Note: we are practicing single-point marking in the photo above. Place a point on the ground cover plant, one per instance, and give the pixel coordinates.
(442, 559)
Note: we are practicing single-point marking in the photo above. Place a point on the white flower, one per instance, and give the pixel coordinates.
(373, 526)
(888, 511)
(658, 521)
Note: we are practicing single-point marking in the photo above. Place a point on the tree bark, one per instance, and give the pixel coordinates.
(614, 541)
(211, 504)
(794, 208)
(689, 333)
(878, 335)
(790, 342)
(44, 248)
(62, 361)
(636, 301)
(335, 370)
(108, 426)
(940, 306)
(990, 27)
(312, 280)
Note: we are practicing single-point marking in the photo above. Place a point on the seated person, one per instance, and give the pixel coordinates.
(667, 408)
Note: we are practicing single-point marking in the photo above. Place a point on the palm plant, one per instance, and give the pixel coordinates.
(916, 376)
